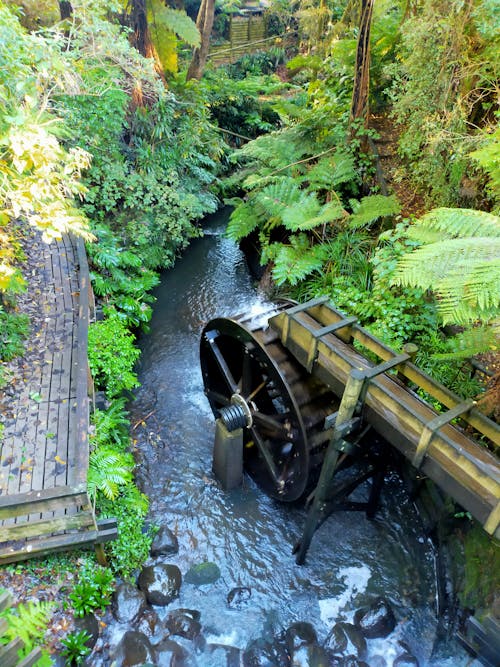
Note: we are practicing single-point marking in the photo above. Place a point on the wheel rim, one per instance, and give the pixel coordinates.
(235, 362)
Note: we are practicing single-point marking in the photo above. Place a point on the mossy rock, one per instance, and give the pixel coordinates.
(203, 573)
(481, 584)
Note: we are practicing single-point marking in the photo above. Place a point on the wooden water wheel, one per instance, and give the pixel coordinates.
(244, 363)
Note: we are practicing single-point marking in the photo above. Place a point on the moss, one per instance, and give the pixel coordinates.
(482, 570)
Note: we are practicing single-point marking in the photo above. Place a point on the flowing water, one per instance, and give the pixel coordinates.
(248, 535)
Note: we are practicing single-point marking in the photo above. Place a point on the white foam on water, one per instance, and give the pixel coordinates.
(226, 639)
(356, 580)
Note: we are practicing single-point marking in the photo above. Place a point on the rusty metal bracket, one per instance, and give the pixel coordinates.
(434, 425)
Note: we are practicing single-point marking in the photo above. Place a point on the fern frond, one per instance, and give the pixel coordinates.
(108, 470)
(332, 171)
(276, 197)
(307, 214)
(471, 342)
(463, 272)
(294, 262)
(372, 208)
(242, 222)
(28, 622)
(457, 223)
(173, 20)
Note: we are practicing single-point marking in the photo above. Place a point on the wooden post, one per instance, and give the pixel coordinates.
(346, 410)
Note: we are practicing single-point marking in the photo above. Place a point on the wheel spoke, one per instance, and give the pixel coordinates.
(266, 455)
(277, 429)
(221, 363)
(246, 373)
(217, 397)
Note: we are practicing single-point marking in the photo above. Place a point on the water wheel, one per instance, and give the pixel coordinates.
(244, 363)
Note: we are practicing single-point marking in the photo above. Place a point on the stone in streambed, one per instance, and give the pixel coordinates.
(147, 623)
(346, 639)
(261, 653)
(128, 603)
(164, 542)
(203, 573)
(134, 650)
(238, 597)
(90, 625)
(310, 655)
(183, 622)
(405, 660)
(377, 620)
(160, 583)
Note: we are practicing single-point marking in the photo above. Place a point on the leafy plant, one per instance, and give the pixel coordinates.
(131, 549)
(108, 470)
(93, 590)
(111, 426)
(112, 355)
(14, 328)
(75, 649)
(459, 259)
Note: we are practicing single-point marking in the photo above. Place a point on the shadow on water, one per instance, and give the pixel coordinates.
(248, 535)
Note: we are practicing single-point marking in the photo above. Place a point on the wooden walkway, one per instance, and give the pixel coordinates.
(44, 452)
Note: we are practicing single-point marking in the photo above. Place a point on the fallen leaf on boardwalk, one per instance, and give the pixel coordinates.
(59, 460)
(35, 396)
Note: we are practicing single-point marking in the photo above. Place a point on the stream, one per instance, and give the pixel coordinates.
(351, 561)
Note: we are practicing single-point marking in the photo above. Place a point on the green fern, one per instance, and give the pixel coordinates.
(28, 622)
(462, 268)
(370, 209)
(108, 470)
(449, 223)
(242, 222)
(276, 197)
(332, 171)
(173, 20)
(292, 263)
(307, 214)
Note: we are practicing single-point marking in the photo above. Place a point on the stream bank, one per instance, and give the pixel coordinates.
(235, 583)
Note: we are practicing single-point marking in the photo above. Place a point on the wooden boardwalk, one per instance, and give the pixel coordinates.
(44, 452)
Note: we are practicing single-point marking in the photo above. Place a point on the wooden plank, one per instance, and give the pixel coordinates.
(49, 545)
(26, 530)
(31, 659)
(5, 600)
(42, 501)
(3, 626)
(8, 653)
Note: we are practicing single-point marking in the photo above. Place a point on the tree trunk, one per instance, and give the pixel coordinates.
(141, 36)
(204, 23)
(65, 9)
(359, 104)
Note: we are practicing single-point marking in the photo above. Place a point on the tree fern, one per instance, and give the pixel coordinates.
(276, 197)
(462, 268)
(292, 263)
(370, 209)
(242, 222)
(330, 172)
(172, 20)
(108, 470)
(455, 223)
(308, 214)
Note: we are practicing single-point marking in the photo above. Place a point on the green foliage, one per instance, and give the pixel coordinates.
(444, 93)
(488, 156)
(75, 650)
(94, 589)
(112, 355)
(371, 209)
(14, 329)
(108, 470)
(131, 549)
(28, 622)
(294, 262)
(459, 259)
(111, 426)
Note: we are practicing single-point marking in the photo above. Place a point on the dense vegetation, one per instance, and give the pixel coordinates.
(101, 135)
